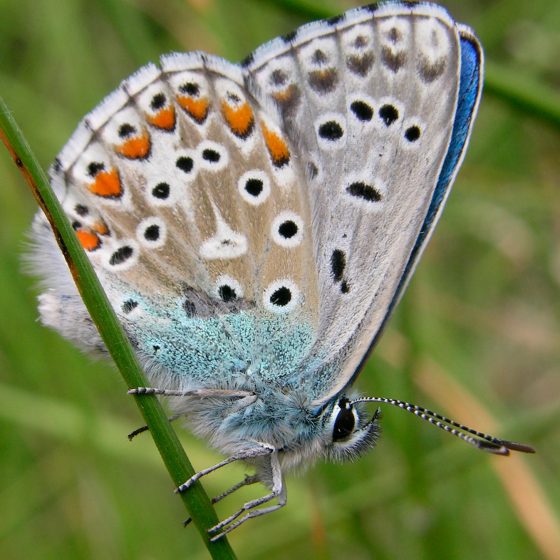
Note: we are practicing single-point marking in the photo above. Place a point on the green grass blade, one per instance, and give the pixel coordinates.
(304, 8)
(525, 94)
(172, 453)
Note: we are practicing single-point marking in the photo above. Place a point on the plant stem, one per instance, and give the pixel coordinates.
(176, 461)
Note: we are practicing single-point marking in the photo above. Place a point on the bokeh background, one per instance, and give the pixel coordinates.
(477, 335)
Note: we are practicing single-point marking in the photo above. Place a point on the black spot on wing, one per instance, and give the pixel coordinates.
(281, 297)
(211, 156)
(81, 210)
(364, 191)
(412, 133)
(338, 264)
(158, 101)
(278, 77)
(161, 191)
(185, 164)
(151, 233)
(227, 293)
(254, 187)
(319, 57)
(190, 88)
(288, 229)
(331, 130)
(94, 168)
(388, 114)
(362, 110)
(129, 305)
(126, 130)
(121, 255)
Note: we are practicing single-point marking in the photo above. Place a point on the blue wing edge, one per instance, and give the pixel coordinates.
(470, 89)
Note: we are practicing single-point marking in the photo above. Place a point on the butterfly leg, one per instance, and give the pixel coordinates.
(145, 428)
(278, 492)
(244, 398)
(248, 480)
(259, 450)
(200, 393)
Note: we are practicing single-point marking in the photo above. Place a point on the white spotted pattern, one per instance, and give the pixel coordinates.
(196, 160)
(386, 65)
(282, 296)
(254, 186)
(225, 243)
(227, 282)
(254, 225)
(287, 229)
(152, 232)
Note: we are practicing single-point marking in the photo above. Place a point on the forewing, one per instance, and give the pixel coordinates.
(188, 199)
(371, 99)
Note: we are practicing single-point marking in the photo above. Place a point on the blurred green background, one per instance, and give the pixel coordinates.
(476, 337)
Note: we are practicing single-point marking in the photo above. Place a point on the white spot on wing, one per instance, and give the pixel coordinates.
(212, 156)
(261, 180)
(226, 280)
(146, 232)
(225, 243)
(358, 38)
(432, 40)
(274, 298)
(282, 240)
(127, 116)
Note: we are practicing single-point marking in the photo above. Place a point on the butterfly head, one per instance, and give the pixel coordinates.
(347, 429)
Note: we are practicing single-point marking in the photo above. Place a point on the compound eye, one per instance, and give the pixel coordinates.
(344, 423)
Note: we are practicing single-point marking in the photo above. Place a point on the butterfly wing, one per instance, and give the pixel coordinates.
(380, 102)
(267, 217)
(188, 199)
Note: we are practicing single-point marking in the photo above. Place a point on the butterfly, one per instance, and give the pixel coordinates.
(254, 226)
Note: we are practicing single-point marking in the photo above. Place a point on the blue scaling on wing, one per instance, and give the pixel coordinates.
(469, 93)
(198, 351)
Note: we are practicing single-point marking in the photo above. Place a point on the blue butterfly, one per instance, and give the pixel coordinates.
(255, 225)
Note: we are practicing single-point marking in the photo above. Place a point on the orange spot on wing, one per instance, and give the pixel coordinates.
(239, 119)
(107, 184)
(164, 119)
(137, 147)
(196, 108)
(100, 228)
(89, 241)
(277, 147)
(286, 95)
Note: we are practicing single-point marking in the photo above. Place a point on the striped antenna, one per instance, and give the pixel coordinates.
(473, 437)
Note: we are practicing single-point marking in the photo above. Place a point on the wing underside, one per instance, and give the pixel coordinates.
(267, 218)
(380, 103)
